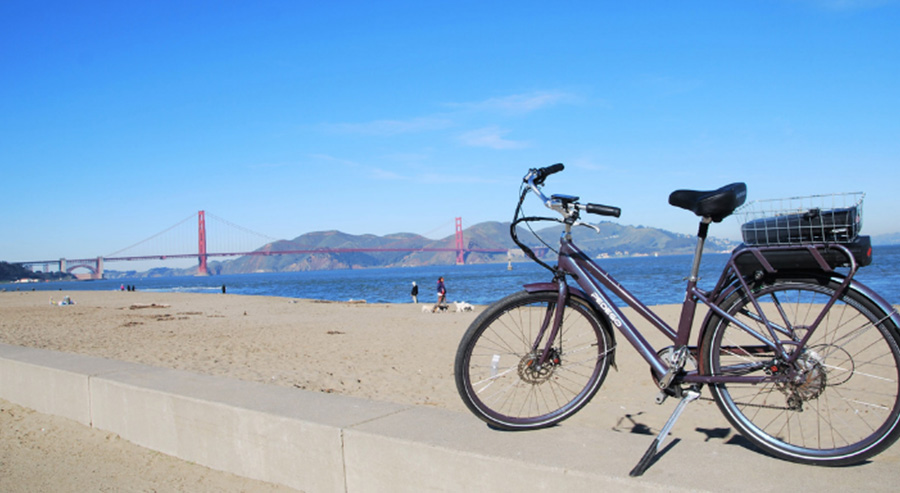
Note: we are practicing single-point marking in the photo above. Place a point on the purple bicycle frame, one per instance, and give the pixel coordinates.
(588, 274)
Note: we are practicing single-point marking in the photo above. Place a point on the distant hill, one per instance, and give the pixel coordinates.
(14, 272)
(618, 240)
(325, 261)
(613, 240)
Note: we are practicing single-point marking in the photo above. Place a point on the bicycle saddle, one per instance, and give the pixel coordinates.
(715, 204)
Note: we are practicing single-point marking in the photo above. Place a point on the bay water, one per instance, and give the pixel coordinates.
(654, 280)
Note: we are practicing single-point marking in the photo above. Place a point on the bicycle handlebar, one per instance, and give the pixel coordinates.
(603, 210)
(535, 178)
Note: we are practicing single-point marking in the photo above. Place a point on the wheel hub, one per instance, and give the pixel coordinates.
(808, 381)
(531, 371)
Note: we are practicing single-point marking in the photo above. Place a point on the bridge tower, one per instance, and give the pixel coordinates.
(460, 258)
(201, 240)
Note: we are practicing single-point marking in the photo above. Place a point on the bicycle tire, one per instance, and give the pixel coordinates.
(494, 365)
(844, 405)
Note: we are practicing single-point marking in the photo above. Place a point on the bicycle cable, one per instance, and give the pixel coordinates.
(528, 220)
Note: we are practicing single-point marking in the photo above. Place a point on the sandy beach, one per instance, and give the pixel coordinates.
(394, 353)
(387, 352)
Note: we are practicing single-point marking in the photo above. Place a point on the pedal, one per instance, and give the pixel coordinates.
(689, 396)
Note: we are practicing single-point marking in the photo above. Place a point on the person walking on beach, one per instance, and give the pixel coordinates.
(441, 294)
(415, 293)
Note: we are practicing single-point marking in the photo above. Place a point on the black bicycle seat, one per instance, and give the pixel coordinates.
(715, 204)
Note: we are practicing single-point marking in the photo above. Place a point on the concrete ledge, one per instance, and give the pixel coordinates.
(433, 449)
(252, 430)
(52, 382)
(330, 443)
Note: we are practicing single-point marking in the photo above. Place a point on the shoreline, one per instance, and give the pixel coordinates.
(121, 275)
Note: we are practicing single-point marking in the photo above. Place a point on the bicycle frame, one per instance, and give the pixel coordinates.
(784, 324)
(590, 277)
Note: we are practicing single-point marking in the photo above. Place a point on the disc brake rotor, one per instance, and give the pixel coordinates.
(531, 371)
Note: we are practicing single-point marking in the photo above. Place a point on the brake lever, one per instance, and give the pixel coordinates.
(587, 225)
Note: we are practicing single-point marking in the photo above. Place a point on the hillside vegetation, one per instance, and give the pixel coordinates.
(14, 272)
(406, 249)
(400, 249)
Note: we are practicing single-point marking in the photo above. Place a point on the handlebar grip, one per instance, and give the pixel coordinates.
(541, 174)
(553, 168)
(603, 210)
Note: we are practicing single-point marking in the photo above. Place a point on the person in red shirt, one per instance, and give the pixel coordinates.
(441, 294)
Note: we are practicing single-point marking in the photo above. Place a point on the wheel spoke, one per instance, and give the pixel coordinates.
(834, 399)
(512, 380)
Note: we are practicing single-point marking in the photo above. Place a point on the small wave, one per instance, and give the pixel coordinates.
(182, 289)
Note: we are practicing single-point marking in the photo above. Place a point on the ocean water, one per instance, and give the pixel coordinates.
(654, 280)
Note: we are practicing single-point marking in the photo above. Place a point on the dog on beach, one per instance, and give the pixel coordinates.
(435, 309)
(459, 306)
(462, 306)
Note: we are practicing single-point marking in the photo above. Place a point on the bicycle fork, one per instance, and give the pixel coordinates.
(553, 321)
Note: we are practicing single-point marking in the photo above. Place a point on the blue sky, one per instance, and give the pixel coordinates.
(119, 119)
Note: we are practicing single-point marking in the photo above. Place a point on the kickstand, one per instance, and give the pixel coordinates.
(689, 396)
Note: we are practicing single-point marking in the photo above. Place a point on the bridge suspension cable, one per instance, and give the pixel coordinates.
(443, 227)
(157, 235)
(264, 236)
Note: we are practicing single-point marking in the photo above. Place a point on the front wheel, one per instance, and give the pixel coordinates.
(836, 401)
(498, 371)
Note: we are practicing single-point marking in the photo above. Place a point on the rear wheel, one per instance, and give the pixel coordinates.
(498, 370)
(838, 402)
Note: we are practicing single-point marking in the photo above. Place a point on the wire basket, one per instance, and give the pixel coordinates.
(832, 218)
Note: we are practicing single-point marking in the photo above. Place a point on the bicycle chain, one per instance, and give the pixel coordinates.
(761, 406)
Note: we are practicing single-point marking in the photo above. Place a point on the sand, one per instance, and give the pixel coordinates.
(387, 352)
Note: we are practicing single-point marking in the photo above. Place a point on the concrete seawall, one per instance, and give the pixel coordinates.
(319, 442)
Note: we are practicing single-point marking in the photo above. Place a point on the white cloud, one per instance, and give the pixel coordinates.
(490, 137)
(366, 169)
(333, 160)
(383, 174)
(519, 103)
(443, 179)
(392, 127)
(515, 104)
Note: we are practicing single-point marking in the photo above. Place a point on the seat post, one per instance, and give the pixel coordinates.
(698, 253)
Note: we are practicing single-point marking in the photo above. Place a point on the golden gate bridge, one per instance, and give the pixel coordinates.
(95, 265)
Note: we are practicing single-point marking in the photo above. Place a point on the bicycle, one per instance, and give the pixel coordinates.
(803, 360)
